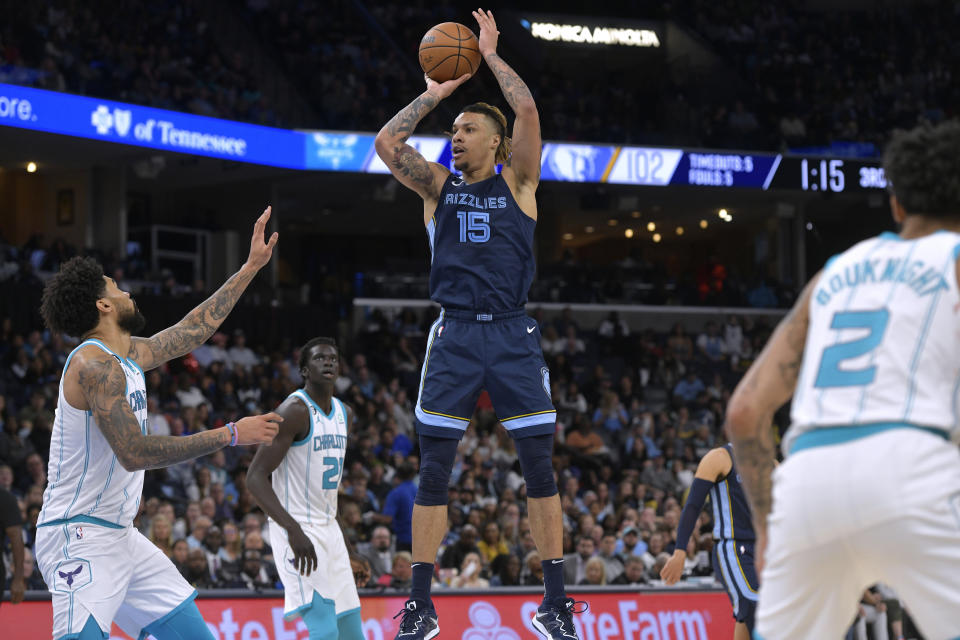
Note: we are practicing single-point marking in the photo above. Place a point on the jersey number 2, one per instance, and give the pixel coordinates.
(830, 373)
(474, 226)
(331, 472)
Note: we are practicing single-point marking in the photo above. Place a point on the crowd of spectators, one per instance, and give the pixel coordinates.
(815, 77)
(161, 54)
(631, 280)
(637, 409)
(801, 76)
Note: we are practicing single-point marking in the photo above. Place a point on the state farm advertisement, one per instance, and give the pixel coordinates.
(611, 616)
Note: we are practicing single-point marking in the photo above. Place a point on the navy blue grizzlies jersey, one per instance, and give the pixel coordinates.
(733, 539)
(731, 511)
(481, 269)
(482, 247)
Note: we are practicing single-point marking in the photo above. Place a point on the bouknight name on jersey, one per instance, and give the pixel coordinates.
(882, 346)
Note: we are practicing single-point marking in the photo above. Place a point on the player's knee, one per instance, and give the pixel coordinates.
(436, 463)
(185, 623)
(536, 462)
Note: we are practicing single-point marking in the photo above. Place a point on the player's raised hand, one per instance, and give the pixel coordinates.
(261, 251)
(488, 32)
(304, 555)
(258, 429)
(444, 89)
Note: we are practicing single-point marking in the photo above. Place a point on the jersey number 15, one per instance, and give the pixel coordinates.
(474, 226)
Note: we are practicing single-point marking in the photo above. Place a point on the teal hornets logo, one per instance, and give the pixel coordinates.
(545, 374)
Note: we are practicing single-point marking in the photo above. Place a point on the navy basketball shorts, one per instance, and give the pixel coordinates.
(468, 352)
(733, 565)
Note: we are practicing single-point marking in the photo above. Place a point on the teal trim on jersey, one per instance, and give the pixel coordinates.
(86, 464)
(86, 519)
(317, 600)
(912, 386)
(103, 346)
(757, 636)
(134, 363)
(333, 407)
(163, 620)
(890, 235)
(830, 261)
(956, 409)
(343, 410)
(306, 484)
(91, 631)
(827, 436)
(302, 395)
(96, 504)
(63, 373)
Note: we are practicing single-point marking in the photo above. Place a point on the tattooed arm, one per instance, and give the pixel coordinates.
(525, 160)
(405, 163)
(98, 378)
(768, 384)
(198, 325)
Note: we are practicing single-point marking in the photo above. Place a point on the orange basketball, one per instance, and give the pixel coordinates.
(448, 51)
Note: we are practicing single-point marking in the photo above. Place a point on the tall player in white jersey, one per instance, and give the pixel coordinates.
(305, 465)
(870, 490)
(98, 567)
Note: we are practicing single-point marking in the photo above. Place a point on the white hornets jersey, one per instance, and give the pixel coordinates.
(308, 477)
(883, 344)
(86, 481)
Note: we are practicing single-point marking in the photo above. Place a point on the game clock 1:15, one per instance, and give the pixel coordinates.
(829, 175)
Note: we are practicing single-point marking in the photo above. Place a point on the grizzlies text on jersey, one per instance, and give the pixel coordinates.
(482, 246)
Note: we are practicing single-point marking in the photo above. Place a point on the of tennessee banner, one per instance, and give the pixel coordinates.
(701, 615)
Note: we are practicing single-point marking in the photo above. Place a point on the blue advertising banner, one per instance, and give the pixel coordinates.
(339, 151)
(575, 162)
(118, 122)
(148, 127)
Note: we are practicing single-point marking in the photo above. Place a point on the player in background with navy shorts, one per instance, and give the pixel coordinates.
(480, 226)
(733, 536)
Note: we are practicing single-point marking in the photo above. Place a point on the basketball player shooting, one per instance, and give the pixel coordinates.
(98, 567)
(480, 226)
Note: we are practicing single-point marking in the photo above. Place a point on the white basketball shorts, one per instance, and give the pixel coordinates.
(881, 508)
(114, 575)
(333, 578)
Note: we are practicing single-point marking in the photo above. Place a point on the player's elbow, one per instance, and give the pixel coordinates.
(742, 417)
(384, 143)
(130, 463)
(526, 108)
